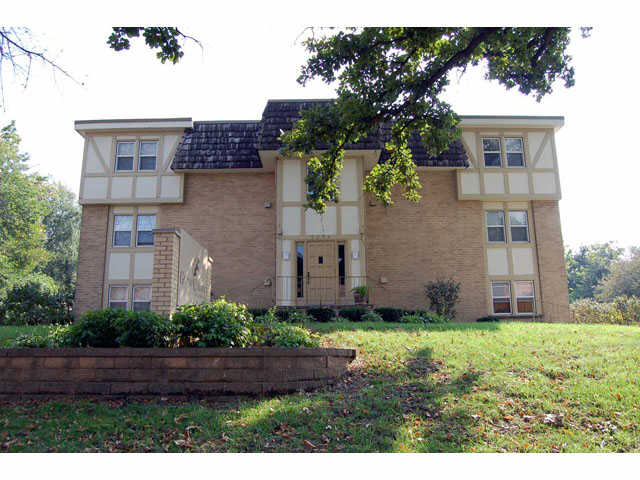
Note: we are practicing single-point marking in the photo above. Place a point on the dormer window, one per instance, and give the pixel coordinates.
(124, 156)
(492, 152)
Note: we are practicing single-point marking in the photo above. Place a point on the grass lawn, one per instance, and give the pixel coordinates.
(515, 387)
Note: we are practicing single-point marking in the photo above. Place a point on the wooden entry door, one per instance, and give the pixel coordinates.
(322, 273)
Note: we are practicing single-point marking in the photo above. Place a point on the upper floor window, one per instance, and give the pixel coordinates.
(515, 152)
(492, 152)
(144, 230)
(118, 297)
(122, 228)
(519, 226)
(147, 156)
(124, 156)
(495, 226)
(309, 183)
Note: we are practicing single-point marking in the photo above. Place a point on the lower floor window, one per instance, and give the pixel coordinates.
(118, 297)
(141, 298)
(525, 299)
(501, 296)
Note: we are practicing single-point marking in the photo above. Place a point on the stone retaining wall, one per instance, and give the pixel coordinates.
(112, 371)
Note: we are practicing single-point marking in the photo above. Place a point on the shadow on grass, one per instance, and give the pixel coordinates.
(410, 327)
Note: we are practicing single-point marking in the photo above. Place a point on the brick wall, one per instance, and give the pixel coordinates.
(166, 254)
(553, 272)
(225, 213)
(440, 237)
(169, 371)
(91, 258)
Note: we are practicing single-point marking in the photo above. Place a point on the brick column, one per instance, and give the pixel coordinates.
(166, 255)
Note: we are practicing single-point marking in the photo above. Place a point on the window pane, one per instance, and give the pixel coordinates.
(502, 306)
(500, 289)
(524, 289)
(145, 238)
(515, 159)
(341, 264)
(491, 144)
(141, 306)
(122, 239)
(495, 218)
(300, 270)
(122, 222)
(513, 145)
(525, 306)
(142, 293)
(146, 222)
(147, 163)
(118, 294)
(492, 160)
(518, 218)
(124, 163)
(148, 148)
(496, 234)
(125, 148)
(519, 234)
(118, 305)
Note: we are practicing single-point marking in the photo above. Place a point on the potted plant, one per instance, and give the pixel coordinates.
(360, 294)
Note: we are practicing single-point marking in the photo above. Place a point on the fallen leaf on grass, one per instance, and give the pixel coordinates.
(309, 444)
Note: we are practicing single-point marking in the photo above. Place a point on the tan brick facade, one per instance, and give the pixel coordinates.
(91, 258)
(553, 273)
(226, 214)
(440, 237)
(165, 271)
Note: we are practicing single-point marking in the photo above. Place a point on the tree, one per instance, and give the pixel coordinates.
(22, 210)
(624, 278)
(395, 76)
(588, 266)
(18, 49)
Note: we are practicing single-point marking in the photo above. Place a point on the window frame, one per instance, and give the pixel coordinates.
(126, 301)
(114, 231)
(300, 288)
(507, 297)
(133, 156)
(525, 226)
(504, 226)
(506, 152)
(140, 156)
(532, 298)
(138, 244)
(133, 296)
(499, 151)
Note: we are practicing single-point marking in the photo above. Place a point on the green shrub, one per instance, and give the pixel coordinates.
(30, 340)
(279, 334)
(96, 329)
(321, 314)
(629, 308)
(216, 324)
(353, 314)
(282, 313)
(410, 318)
(371, 317)
(143, 329)
(390, 314)
(34, 302)
(622, 311)
(488, 318)
(443, 296)
(298, 316)
(257, 312)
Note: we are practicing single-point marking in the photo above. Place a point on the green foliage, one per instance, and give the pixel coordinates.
(29, 340)
(588, 266)
(216, 324)
(166, 39)
(279, 334)
(361, 291)
(257, 312)
(143, 329)
(389, 314)
(443, 296)
(623, 279)
(622, 310)
(35, 301)
(422, 317)
(354, 314)
(489, 318)
(371, 317)
(96, 329)
(321, 314)
(395, 76)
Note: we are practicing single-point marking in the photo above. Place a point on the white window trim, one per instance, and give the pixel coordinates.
(140, 156)
(504, 227)
(499, 151)
(526, 215)
(493, 298)
(133, 156)
(126, 289)
(132, 231)
(136, 232)
(532, 298)
(506, 154)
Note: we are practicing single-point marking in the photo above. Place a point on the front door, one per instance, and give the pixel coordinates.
(322, 273)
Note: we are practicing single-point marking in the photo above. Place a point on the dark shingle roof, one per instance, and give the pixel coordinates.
(215, 145)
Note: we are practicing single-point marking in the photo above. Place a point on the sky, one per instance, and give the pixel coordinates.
(239, 68)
